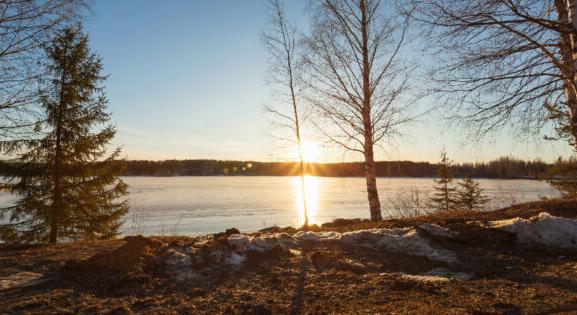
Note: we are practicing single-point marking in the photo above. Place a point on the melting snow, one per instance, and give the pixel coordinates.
(187, 263)
(405, 241)
(438, 275)
(21, 279)
(422, 278)
(544, 230)
(235, 259)
(442, 272)
(176, 258)
(239, 242)
(437, 230)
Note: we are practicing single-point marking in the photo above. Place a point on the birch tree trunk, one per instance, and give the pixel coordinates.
(572, 88)
(372, 192)
(566, 10)
(370, 173)
(281, 44)
(356, 78)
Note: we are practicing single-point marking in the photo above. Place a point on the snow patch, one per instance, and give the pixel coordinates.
(179, 264)
(437, 230)
(438, 275)
(191, 262)
(404, 241)
(267, 242)
(543, 230)
(239, 242)
(235, 259)
(422, 278)
(399, 240)
(21, 280)
(442, 272)
(317, 236)
(178, 259)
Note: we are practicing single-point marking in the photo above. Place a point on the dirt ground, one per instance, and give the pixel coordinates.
(128, 276)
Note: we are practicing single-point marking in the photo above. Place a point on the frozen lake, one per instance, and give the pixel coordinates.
(191, 205)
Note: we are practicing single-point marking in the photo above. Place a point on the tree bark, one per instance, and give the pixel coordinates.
(571, 95)
(372, 192)
(572, 15)
(298, 134)
(57, 192)
(289, 60)
(567, 13)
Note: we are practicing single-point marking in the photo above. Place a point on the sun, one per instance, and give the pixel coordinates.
(310, 151)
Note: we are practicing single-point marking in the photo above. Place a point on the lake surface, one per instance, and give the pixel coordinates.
(185, 205)
(192, 205)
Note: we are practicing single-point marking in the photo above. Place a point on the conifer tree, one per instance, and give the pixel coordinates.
(471, 197)
(68, 184)
(563, 177)
(444, 198)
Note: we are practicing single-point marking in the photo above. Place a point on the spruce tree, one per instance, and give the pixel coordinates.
(471, 197)
(563, 177)
(444, 198)
(68, 183)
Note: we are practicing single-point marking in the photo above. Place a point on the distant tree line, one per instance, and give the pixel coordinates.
(505, 167)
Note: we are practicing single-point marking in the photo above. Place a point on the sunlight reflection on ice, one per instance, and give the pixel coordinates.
(312, 189)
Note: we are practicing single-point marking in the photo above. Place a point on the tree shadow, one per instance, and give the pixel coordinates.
(298, 299)
(562, 283)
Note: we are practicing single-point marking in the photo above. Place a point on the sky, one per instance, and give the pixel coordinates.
(187, 80)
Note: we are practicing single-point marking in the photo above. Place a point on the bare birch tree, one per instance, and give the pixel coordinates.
(281, 44)
(508, 62)
(357, 77)
(25, 26)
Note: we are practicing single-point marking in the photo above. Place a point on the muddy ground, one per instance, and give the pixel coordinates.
(131, 275)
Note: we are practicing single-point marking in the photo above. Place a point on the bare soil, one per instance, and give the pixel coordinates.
(130, 275)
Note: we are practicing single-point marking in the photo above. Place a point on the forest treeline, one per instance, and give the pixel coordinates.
(505, 167)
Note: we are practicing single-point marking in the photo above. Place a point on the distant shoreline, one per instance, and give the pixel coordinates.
(503, 168)
(327, 176)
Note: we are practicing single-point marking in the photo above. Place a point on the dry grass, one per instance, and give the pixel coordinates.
(325, 278)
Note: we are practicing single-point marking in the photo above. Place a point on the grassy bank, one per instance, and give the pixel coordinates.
(494, 273)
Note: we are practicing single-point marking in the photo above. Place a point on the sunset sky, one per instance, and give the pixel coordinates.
(187, 81)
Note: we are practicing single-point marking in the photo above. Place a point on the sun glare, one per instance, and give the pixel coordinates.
(311, 151)
(312, 199)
